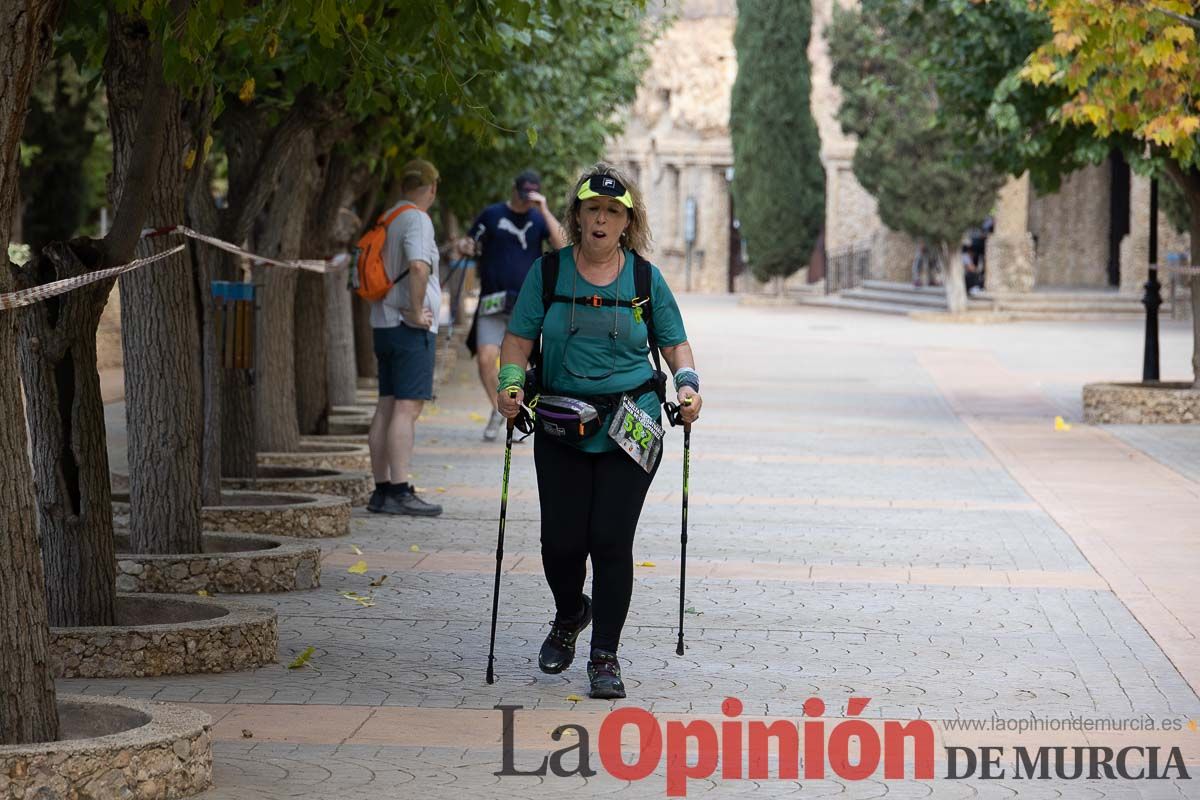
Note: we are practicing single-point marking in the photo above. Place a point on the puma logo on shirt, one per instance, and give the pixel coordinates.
(506, 224)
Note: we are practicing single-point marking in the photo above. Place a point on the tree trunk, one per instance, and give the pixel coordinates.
(257, 155)
(364, 341)
(66, 423)
(329, 230)
(339, 312)
(1189, 181)
(1194, 280)
(275, 418)
(28, 712)
(955, 279)
(211, 265)
(311, 354)
(160, 324)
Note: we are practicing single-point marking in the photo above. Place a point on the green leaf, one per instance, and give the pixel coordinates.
(302, 659)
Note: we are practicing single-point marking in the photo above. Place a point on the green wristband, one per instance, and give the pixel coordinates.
(511, 375)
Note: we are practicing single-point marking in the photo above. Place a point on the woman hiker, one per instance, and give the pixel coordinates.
(598, 430)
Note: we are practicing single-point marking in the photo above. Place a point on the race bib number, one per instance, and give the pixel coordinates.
(636, 433)
(493, 303)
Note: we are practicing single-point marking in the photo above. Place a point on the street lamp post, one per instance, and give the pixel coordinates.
(689, 238)
(1152, 298)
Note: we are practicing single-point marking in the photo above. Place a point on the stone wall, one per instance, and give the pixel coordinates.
(1070, 229)
(676, 142)
(1135, 248)
(851, 217)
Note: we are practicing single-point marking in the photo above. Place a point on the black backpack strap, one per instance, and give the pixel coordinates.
(549, 279)
(549, 285)
(642, 278)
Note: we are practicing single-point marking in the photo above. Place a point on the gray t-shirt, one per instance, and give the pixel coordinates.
(409, 238)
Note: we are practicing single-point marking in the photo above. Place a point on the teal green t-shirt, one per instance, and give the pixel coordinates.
(592, 351)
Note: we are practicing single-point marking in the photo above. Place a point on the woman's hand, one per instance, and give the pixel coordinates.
(689, 411)
(509, 405)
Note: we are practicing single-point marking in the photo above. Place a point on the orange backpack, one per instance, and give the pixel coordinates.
(371, 279)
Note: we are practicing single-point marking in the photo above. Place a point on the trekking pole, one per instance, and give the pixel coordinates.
(491, 677)
(687, 460)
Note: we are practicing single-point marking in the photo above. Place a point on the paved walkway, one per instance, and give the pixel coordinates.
(881, 508)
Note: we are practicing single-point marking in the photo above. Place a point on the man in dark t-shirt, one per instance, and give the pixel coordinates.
(507, 238)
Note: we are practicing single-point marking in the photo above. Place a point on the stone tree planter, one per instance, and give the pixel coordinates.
(113, 747)
(232, 563)
(159, 634)
(352, 426)
(350, 420)
(354, 486)
(304, 516)
(1141, 403)
(318, 454)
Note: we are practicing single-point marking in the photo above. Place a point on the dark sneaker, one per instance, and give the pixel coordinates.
(492, 429)
(604, 672)
(409, 504)
(375, 504)
(558, 651)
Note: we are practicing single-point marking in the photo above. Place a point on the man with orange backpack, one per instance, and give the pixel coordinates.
(397, 272)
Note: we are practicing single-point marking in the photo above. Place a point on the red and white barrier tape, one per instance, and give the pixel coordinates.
(307, 264)
(36, 294)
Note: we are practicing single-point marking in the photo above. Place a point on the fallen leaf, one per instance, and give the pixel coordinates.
(574, 698)
(202, 593)
(692, 610)
(414, 548)
(247, 733)
(356, 549)
(1061, 424)
(567, 732)
(365, 602)
(379, 581)
(357, 569)
(645, 564)
(299, 661)
(477, 417)
(440, 490)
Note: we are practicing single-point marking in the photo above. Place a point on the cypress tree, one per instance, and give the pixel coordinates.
(779, 183)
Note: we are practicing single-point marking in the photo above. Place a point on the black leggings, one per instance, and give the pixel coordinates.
(590, 507)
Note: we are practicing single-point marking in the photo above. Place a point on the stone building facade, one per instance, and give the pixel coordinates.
(676, 143)
(1091, 234)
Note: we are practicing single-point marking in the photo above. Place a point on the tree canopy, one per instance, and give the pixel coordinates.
(779, 184)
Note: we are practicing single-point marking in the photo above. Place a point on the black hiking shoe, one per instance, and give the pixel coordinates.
(375, 504)
(558, 651)
(604, 672)
(409, 504)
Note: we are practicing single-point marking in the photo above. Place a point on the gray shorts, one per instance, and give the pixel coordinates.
(491, 329)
